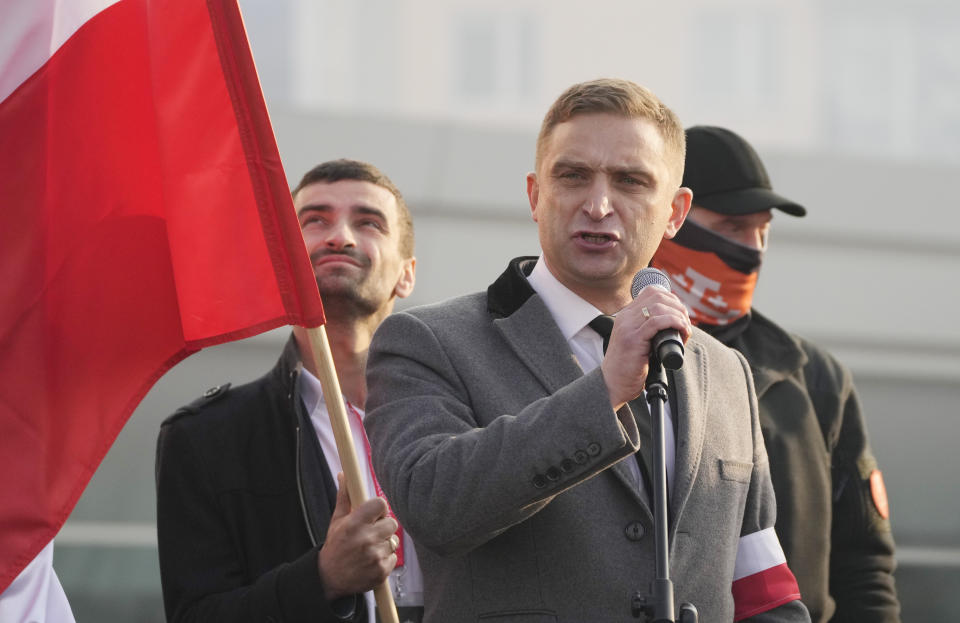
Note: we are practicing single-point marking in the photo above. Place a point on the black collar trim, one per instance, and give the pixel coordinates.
(511, 289)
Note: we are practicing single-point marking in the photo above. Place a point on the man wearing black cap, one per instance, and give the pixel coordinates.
(832, 511)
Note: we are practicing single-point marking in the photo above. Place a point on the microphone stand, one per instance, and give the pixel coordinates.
(659, 606)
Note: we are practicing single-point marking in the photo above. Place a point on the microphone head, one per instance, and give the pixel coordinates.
(649, 277)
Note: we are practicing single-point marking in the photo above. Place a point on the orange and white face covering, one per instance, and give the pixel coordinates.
(714, 276)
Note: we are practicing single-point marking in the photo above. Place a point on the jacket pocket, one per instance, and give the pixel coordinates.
(737, 471)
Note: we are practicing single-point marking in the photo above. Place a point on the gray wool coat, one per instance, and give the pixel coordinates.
(504, 461)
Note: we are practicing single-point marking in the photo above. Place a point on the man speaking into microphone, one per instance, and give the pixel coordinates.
(511, 444)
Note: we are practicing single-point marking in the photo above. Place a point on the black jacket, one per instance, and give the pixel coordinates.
(244, 498)
(836, 542)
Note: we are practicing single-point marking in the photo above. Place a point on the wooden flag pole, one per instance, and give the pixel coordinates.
(356, 487)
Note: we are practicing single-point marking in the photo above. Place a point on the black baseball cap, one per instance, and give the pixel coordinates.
(727, 176)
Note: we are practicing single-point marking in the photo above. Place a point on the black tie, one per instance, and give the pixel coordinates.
(603, 325)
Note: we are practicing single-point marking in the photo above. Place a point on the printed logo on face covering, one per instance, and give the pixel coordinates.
(703, 299)
(713, 292)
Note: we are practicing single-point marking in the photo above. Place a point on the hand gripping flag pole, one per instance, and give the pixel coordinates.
(327, 374)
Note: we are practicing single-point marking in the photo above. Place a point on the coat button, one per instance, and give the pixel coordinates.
(634, 531)
(553, 474)
(581, 457)
(566, 466)
(593, 449)
(539, 481)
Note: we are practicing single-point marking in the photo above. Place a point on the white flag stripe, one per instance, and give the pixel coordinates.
(756, 552)
(32, 30)
(36, 594)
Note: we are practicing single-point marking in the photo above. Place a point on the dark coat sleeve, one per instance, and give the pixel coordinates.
(203, 571)
(790, 612)
(862, 548)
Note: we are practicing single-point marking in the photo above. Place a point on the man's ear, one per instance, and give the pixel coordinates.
(408, 276)
(533, 193)
(680, 207)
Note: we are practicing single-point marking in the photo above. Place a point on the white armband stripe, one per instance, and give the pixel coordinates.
(756, 552)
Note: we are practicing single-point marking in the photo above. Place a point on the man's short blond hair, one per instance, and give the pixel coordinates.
(618, 97)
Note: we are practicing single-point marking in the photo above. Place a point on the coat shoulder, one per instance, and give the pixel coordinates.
(459, 309)
(206, 399)
(221, 405)
(461, 317)
(824, 372)
(713, 349)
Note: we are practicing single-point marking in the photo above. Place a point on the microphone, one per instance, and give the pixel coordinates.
(667, 345)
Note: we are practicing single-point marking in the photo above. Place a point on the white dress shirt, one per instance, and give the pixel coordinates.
(406, 582)
(573, 315)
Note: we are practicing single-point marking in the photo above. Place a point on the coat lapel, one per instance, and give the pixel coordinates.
(690, 387)
(536, 340)
(623, 469)
(529, 329)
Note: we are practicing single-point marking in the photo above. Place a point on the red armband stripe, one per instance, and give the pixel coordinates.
(764, 591)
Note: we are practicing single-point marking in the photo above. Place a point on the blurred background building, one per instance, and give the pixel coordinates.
(854, 107)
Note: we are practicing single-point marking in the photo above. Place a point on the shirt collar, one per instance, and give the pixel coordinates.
(569, 311)
(311, 392)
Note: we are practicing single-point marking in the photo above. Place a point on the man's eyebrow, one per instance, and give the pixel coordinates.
(357, 209)
(629, 170)
(315, 207)
(568, 164)
(578, 164)
(369, 211)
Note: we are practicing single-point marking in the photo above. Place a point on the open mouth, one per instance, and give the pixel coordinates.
(595, 238)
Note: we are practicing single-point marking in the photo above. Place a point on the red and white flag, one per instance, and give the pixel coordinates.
(145, 215)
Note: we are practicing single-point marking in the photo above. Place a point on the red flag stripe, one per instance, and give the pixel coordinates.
(266, 173)
(146, 215)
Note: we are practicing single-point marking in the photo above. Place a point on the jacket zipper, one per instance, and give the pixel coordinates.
(293, 396)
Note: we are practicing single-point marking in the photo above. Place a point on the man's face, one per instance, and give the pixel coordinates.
(747, 229)
(603, 198)
(352, 233)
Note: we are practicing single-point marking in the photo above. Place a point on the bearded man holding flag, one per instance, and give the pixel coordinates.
(250, 521)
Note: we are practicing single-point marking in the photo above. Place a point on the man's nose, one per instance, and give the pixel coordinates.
(597, 204)
(339, 236)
